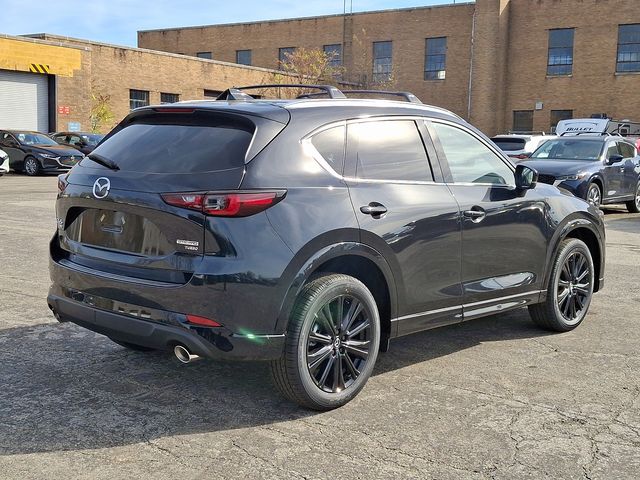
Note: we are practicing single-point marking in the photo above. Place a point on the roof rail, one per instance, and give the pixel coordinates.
(408, 96)
(237, 93)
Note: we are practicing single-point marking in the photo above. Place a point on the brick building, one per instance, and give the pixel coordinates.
(50, 83)
(503, 64)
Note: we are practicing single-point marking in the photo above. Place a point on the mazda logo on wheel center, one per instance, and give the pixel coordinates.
(101, 187)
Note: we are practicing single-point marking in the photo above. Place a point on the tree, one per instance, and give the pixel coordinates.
(101, 115)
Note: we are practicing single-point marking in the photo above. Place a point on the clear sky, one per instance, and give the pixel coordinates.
(117, 21)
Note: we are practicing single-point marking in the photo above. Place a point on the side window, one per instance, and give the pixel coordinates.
(388, 150)
(73, 139)
(330, 145)
(626, 150)
(470, 160)
(612, 149)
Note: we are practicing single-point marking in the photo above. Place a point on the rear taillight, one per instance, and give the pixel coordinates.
(223, 204)
(202, 321)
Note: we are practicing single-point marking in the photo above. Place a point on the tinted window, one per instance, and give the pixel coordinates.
(510, 144)
(330, 144)
(470, 160)
(165, 144)
(569, 149)
(626, 150)
(388, 150)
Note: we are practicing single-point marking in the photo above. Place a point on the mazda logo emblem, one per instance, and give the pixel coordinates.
(101, 187)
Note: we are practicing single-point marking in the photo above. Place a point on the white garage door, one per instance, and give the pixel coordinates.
(24, 101)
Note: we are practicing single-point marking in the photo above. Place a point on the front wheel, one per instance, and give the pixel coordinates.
(31, 166)
(332, 343)
(634, 205)
(594, 195)
(570, 288)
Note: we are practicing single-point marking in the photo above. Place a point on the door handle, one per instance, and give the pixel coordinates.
(476, 214)
(374, 209)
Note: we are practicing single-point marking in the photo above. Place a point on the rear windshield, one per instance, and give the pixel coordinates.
(509, 144)
(178, 143)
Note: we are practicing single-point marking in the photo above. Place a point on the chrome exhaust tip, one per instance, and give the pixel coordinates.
(184, 355)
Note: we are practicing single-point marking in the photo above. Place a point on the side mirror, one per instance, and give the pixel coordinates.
(614, 159)
(526, 177)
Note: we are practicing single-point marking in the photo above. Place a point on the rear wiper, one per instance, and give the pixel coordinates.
(103, 161)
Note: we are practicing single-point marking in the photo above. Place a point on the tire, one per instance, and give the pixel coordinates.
(31, 167)
(343, 362)
(133, 346)
(574, 273)
(634, 205)
(594, 195)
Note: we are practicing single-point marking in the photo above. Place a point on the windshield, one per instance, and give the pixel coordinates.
(28, 138)
(569, 149)
(92, 139)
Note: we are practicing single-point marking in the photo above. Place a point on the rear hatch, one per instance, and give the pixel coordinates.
(116, 221)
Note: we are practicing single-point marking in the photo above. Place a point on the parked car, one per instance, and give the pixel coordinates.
(519, 147)
(4, 163)
(34, 152)
(308, 233)
(624, 128)
(85, 142)
(600, 169)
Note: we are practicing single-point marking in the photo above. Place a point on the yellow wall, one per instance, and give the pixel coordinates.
(19, 55)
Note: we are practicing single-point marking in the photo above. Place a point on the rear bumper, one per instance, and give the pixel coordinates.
(215, 343)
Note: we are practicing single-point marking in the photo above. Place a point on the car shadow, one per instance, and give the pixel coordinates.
(65, 388)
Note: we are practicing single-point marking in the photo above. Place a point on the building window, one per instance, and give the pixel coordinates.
(557, 115)
(243, 57)
(169, 97)
(628, 48)
(523, 121)
(207, 55)
(211, 93)
(382, 61)
(283, 55)
(560, 52)
(138, 98)
(334, 54)
(435, 63)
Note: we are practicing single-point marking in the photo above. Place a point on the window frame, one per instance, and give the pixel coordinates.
(176, 95)
(427, 57)
(332, 62)
(238, 52)
(205, 55)
(387, 75)
(513, 122)
(281, 55)
(349, 164)
(550, 49)
(444, 162)
(618, 62)
(131, 99)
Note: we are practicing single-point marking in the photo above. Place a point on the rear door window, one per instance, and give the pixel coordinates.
(179, 143)
(626, 150)
(390, 150)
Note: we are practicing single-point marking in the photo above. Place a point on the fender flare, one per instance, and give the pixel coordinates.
(329, 252)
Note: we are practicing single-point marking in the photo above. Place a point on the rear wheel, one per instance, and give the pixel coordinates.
(332, 343)
(31, 166)
(133, 346)
(594, 195)
(570, 288)
(634, 205)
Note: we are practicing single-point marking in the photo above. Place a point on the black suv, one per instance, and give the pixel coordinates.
(309, 232)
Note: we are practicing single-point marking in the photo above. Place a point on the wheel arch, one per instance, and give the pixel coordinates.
(584, 230)
(357, 260)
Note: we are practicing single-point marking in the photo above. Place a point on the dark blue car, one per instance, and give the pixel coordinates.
(600, 169)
